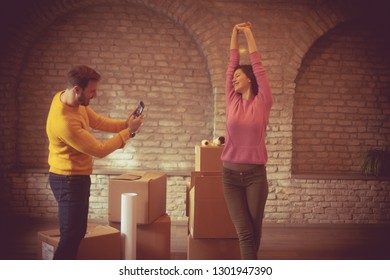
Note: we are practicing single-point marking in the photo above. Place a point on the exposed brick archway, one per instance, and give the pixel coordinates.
(285, 31)
(47, 13)
(342, 101)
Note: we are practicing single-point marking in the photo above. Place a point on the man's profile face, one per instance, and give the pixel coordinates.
(86, 94)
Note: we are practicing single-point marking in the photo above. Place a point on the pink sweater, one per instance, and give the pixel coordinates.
(246, 120)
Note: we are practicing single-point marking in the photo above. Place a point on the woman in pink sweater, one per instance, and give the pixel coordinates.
(248, 105)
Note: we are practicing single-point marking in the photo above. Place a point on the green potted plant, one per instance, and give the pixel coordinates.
(376, 162)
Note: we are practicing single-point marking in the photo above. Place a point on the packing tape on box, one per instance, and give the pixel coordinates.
(128, 225)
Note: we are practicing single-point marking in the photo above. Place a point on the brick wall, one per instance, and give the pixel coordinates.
(173, 55)
(299, 200)
(341, 105)
(31, 195)
(141, 56)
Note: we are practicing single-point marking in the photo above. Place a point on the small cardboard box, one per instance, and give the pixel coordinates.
(208, 158)
(208, 213)
(100, 243)
(153, 240)
(213, 249)
(151, 189)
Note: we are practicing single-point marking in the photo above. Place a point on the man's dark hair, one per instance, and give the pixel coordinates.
(80, 76)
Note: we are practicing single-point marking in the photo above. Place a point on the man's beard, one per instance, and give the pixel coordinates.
(82, 100)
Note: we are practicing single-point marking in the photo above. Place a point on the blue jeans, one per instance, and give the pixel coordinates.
(245, 195)
(72, 195)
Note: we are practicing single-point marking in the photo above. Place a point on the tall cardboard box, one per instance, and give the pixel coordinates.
(100, 243)
(194, 175)
(213, 249)
(151, 189)
(208, 158)
(153, 240)
(208, 213)
(197, 174)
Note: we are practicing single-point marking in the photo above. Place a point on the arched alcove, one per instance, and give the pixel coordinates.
(142, 55)
(341, 104)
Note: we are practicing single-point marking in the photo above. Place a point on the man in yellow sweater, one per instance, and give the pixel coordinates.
(71, 148)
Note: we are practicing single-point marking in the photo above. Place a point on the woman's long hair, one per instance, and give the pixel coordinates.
(248, 70)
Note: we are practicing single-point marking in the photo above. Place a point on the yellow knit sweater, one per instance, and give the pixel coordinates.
(71, 145)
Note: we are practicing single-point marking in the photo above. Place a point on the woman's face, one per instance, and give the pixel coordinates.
(241, 82)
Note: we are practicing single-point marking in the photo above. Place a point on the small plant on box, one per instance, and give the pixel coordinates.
(376, 163)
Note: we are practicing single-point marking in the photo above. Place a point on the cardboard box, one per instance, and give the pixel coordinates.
(151, 189)
(197, 174)
(194, 175)
(153, 240)
(208, 213)
(100, 243)
(213, 249)
(208, 158)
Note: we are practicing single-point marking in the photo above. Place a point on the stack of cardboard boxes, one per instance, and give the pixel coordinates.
(153, 237)
(102, 242)
(211, 234)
